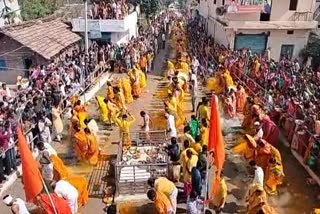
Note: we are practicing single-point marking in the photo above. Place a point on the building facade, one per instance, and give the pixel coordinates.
(117, 31)
(283, 25)
(26, 45)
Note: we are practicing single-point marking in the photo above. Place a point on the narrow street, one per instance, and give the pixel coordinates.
(295, 196)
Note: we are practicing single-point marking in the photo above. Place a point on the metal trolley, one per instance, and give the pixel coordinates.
(132, 179)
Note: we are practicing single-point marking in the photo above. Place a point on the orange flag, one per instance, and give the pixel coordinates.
(30, 172)
(216, 141)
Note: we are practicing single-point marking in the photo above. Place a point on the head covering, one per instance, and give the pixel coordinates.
(251, 140)
(7, 199)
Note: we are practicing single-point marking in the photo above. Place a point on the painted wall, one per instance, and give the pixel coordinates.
(276, 39)
(280, 37)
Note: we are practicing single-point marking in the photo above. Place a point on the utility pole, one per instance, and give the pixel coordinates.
(86, 26)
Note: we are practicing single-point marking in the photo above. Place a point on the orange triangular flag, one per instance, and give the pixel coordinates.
(216, 141)
(31, 175)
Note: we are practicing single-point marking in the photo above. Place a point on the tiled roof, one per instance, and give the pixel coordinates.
(45, 38)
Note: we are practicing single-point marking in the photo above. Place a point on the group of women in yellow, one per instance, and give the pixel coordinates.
(119, 93)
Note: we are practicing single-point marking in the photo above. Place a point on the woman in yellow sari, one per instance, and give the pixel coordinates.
(256, 199)
(274, 176)
(217, 83)
(119, 99)
(103, 109)
(127, 90)
(143, 79)
(61, 172)
(247, 147)
(82, 113)
(81, 143)
(228, 79)
(135, 81)
(92, 154)
(110, 93)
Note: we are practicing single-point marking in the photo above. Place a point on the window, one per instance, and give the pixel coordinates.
(3, 64)
(293, 5)
(223, 2)
(290, 32)
(214, 1)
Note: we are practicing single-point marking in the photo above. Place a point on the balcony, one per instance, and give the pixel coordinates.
(105, 25)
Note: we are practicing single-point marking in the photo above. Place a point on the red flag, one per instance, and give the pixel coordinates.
(30, 172)
(216, 141)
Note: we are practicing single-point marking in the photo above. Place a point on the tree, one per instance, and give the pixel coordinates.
(34, 9)
(312, 49)
(149, 7)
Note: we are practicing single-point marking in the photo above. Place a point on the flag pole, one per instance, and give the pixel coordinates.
(50, 198)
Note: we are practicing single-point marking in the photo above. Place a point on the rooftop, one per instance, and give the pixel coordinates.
(47, 38)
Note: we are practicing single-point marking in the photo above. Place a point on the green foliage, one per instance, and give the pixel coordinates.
(34, 9)
(312, 49)
(149, 7)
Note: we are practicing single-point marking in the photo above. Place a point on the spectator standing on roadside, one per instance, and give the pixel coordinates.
(163, 37)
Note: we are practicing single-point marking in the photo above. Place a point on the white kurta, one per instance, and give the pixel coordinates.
(65, 190)
(22, 206)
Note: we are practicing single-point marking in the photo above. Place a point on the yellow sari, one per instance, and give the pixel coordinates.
(228, 79)
(127, 90)
(216, 83)
(143, 79)
(79, 182)
(274, 177)
(103, 109)
(93, 149)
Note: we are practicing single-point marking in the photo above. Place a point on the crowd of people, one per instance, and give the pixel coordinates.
(263, 90)
(114, 9)
(56, 87)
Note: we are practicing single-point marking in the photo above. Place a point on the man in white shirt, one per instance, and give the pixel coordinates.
(65, 190)
(146, 121)
(258, 173)
(163, 37)
(195, 64)
(171, 126)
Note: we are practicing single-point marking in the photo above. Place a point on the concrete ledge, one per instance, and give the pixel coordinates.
(307, 168)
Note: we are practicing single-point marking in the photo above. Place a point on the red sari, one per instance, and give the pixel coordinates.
(270, 130)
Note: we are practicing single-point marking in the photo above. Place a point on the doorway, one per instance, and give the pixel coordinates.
(286, 51)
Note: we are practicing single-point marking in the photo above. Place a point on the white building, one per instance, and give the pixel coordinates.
(109, 30)
(10, 8)
(284, 27)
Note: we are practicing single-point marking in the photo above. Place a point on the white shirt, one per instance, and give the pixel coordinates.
(147, 123)
(163, 37)
(22, 206)
(194, 77)
(65, 190)
(172, 126)
(47, 172)
(258, 176)
(259, 134)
